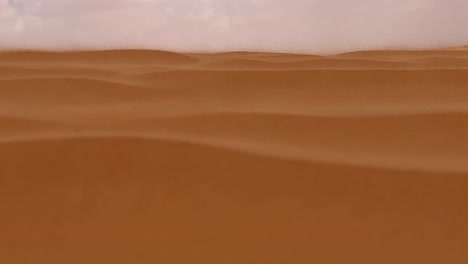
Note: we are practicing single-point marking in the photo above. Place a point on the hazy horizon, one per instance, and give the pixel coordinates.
(315, 26)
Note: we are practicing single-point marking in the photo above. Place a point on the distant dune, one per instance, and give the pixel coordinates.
(133, 156)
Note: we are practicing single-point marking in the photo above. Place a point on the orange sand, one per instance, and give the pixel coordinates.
(156, 157)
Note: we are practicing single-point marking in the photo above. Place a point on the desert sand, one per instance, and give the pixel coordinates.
(132, 156)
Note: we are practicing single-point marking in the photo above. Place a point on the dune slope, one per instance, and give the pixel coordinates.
(133, 156)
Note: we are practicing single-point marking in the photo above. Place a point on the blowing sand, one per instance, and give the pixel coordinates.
(156, 157)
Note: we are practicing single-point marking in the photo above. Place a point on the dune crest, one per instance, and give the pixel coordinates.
(134, 156)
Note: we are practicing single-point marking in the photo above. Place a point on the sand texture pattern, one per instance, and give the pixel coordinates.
(131, 156)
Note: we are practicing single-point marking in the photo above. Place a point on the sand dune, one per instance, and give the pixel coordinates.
(132, 156)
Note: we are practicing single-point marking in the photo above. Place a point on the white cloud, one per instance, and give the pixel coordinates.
(294, 25)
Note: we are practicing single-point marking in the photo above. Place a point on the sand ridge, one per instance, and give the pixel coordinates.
(133, 156)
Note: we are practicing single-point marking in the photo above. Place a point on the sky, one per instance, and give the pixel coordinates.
(310, 26)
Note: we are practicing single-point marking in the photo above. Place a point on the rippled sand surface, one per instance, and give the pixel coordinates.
(132, 156)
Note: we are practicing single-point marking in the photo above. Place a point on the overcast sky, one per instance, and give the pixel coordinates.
(314, 26)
